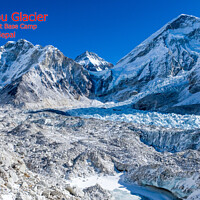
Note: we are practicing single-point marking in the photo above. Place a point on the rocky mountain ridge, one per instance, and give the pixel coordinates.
(160, 74)
(33, 74)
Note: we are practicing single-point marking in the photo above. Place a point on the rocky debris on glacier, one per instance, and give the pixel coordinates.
(18, 182)
(96, 192)
(92, 62)
(61, 148)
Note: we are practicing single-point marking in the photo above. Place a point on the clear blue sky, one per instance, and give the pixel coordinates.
(110, 28)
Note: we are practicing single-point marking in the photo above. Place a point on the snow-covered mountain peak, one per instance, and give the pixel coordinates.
(185, 17)
(30, 74)
(19, 43)
(183, 21)
(92, 61)
(89, 55)
(161, 72)
(182, 26)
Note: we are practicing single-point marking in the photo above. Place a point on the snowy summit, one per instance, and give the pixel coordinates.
(93, 62)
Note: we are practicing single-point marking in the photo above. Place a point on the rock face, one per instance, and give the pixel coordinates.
(160, 73)
(34, 74)
(93, 62)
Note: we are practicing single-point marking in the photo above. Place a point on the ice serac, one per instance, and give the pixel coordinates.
(93, 62)
(36, 75)
(162, 73)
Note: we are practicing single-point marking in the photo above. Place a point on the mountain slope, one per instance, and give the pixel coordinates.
(40, 75)
(160, 73)
(93, 62)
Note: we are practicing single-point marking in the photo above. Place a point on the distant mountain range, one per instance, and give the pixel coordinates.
(160, 74)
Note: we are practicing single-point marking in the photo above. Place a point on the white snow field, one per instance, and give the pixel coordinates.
(120, 190)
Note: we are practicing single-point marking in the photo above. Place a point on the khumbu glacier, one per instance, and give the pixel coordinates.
(85, 129)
